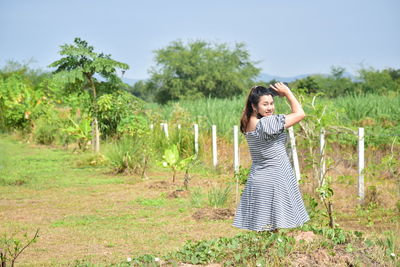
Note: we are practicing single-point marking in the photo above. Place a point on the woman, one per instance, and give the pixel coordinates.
(271, 198)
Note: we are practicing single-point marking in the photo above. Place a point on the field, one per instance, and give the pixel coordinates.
(88, 215)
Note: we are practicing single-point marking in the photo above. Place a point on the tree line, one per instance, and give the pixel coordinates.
(84, 96)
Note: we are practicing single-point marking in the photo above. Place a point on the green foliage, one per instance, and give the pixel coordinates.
(196, 198)
(369, 81)
(80, 131)
(307, 85)
(311, 205)
(377, 82)
(20, 103)
(387, 242)
(218, 197)
(326, 193)
(335, 84)
(242, 249)
(133, 124)
(119, 112)
(78, 68)
(201, 69)
(242, 175)
(126, 155)
(183, 137)
(11, 247)
(46, 131)
(172, 159)
(81, 63)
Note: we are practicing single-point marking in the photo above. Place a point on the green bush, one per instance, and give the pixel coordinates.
(46, 131)
(126, 155)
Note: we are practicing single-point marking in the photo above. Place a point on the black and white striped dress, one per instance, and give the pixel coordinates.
(271, 198)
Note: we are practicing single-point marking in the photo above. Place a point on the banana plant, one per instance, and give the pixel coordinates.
(81, 131)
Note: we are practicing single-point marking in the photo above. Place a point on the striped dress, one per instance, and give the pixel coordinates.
(271, 198)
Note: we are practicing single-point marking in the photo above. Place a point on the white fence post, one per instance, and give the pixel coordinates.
(322, 153)
(196, 139)
(166, 129)
(236, 148)
(294, 153)
(236, 158)
(214, 145)
(361, 164)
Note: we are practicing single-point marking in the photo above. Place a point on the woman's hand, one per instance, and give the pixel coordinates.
(280, 88)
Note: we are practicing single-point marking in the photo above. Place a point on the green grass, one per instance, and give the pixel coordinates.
(87, 215)
(46, 168)
(351, 111)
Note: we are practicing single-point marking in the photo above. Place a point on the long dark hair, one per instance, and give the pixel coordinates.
(254, 97)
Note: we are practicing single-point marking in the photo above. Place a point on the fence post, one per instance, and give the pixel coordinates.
(294, 153)
(236, 158)
(236, 148)
(165, 126)
(196, 139)
(361, 164)
(322, 153)
(214, 145)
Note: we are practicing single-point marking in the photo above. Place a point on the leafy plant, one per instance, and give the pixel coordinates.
(242, 175)
(126, 155)
(80, 131)
(326, 192)
(172, 160)
(12, 247)
(217, 197)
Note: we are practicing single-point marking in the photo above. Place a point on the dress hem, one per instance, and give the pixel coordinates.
(272, 229)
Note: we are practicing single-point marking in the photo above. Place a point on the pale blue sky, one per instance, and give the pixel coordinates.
(290, 37)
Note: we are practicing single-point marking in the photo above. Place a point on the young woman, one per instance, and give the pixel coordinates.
(271, 198)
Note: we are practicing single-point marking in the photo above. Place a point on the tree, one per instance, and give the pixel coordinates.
(79, 66)
(201, 69)
(376, 81)
(308, 84)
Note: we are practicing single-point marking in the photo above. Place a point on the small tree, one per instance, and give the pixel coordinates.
(79, 66)
(173, 160)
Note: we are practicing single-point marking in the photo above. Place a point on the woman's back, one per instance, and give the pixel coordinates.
(268, 140)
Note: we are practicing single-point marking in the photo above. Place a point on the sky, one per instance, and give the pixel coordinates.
(288, 37)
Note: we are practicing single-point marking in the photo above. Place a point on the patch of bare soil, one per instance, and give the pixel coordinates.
(214, 214)
(306, 236)
(161, 185)
(179, 193)
(192, 265)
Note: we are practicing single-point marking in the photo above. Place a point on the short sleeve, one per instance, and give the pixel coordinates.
(272, 126)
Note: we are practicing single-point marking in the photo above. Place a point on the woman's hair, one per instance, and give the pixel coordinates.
(254, 97)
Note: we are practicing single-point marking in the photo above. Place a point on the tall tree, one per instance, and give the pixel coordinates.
(79, 66)
(201, 69)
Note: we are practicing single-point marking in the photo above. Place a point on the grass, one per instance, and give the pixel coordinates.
(46, 168)
(86, 214)
(378, 114)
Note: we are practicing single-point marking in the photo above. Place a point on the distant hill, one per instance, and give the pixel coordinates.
(263, 77)
(268, 77)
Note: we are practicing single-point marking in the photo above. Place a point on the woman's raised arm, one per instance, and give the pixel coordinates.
(297, 111)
